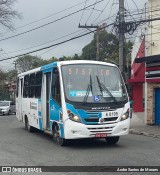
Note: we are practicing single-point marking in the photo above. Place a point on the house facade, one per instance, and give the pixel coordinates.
(145, 77)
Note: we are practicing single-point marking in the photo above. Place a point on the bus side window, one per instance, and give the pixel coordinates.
(32, 86)
(26, 86)
(38, 84)
(17, 89)
(56, 88)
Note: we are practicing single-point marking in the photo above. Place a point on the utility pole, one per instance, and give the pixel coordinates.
(121, 37)
(96, 35)
(97, 44)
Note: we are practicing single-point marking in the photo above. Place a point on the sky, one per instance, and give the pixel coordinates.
(62, 26)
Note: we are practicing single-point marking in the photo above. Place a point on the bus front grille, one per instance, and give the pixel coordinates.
(109, 119)
(101, 129)
(92, 119)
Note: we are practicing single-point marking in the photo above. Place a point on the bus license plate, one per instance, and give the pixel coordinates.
(101, 135)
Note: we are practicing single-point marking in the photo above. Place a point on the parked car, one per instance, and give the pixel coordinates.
(7, 107)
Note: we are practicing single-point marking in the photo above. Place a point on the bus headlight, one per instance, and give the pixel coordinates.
(125, 115)
(74, 117)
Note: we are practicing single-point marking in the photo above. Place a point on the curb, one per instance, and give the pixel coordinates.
(136, 132)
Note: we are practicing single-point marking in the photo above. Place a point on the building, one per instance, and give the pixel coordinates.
(145, 77)
(137, 75)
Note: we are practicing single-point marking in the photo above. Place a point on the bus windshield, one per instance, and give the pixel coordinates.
(93, 83)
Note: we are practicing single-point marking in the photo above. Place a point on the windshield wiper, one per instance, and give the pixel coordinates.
(103, 88)
(89, 89)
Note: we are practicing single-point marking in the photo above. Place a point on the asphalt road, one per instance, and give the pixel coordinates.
(21, 148)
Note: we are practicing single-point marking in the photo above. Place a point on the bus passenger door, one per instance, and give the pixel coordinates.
(20, 95)
(46, 86)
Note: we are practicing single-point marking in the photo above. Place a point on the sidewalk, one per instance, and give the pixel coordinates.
(139, 127)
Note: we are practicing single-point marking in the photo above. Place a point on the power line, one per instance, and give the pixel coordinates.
(91, 12)
(83, 11)
(59, 37)
(48, 23)
(45, 42)
(101, 12)
(44, 17)
(62, 42)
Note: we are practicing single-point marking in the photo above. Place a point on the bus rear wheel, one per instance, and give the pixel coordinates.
(56, 136)
(112, 140)
(27, 126)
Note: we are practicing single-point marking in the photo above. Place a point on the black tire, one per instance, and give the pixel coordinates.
(56, 136)
(9, 112)
(112, 140)
(27, 126)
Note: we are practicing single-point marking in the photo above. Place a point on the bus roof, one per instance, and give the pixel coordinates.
(85, 61)
(54, 64)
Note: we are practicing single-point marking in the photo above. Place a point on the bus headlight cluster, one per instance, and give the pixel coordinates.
(125, 115)
(73, 117)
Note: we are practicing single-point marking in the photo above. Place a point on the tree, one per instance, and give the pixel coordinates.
(11, 75)
(28, 62)
(108, 48)
(2, 80)
(7, 13)
(76, 57)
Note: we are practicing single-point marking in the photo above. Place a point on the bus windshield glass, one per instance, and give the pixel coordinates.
(93, 83)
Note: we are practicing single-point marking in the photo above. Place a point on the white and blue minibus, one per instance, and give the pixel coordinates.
(74, 99)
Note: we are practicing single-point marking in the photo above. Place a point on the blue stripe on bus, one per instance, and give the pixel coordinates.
(61, 129)
(84, 114)
(49, 66)
(39, 108)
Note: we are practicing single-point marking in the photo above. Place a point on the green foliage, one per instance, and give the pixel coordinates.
(108, 48)
(29, 62)
(11, 75)
(89, 51)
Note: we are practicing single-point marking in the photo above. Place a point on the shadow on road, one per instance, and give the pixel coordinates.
(88, 143)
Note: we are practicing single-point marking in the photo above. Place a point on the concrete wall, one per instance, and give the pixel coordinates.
(152, 48)
(153, 29)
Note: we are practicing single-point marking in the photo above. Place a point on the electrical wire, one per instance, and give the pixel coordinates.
(45, 42)
(59, 37)
(45, 17)
(62, 42)
(73, 13)
(83, 12)
(101, 12)
(91, 12)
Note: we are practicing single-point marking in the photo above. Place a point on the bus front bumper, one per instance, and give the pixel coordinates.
(74, 130)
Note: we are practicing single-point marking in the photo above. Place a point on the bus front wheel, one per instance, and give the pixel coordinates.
(56, 136)
(112, 140)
